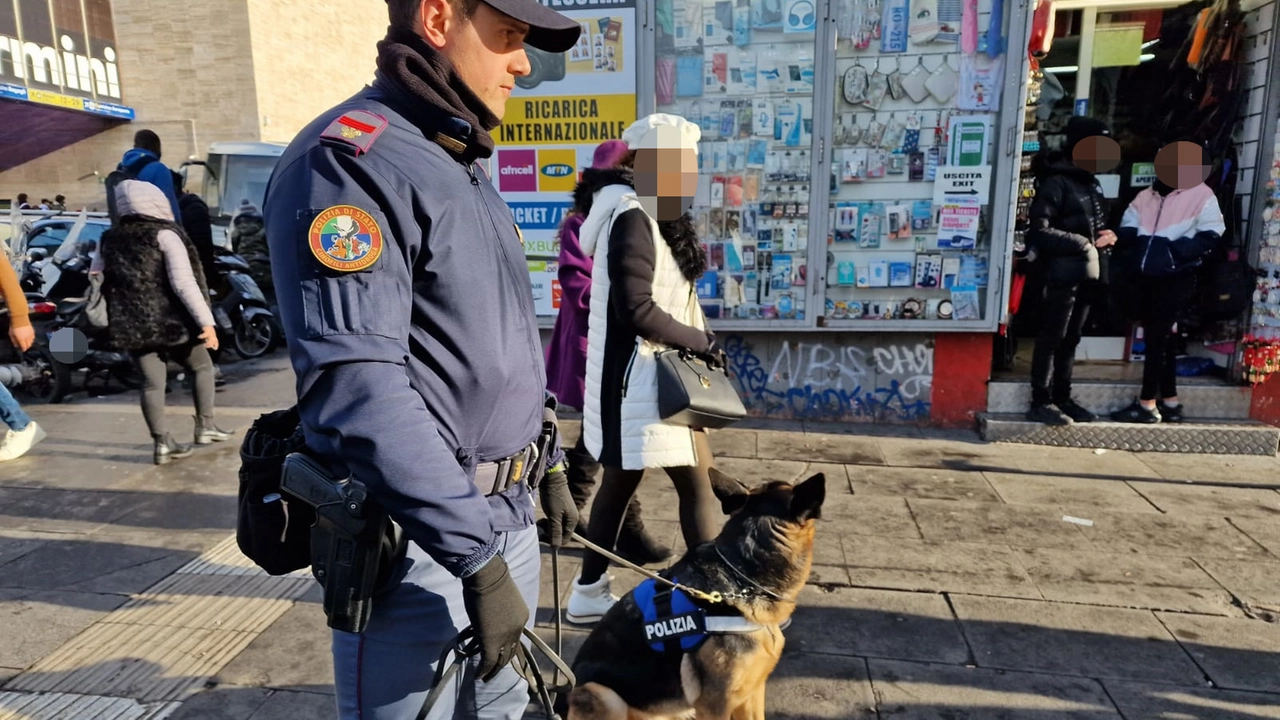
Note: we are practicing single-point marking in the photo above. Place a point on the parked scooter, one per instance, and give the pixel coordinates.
(240, 310)
(69, 294)
(34, 373)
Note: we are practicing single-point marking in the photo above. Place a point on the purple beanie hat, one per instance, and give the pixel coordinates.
(608, 154)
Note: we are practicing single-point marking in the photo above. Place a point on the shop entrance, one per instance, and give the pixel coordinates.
(1124, 62)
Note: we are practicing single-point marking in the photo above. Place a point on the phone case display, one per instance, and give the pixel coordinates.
(912, 153)
(744, 71)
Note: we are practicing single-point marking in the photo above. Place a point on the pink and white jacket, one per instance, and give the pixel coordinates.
(1165, 235)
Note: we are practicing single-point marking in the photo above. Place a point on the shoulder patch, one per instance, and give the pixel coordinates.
(345, 238)
(355, 130)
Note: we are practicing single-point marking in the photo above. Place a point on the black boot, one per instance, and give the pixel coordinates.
(167, 449)
(637, 545)
(207, 432)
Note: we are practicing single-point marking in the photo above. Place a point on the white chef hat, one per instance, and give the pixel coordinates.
(661, 130)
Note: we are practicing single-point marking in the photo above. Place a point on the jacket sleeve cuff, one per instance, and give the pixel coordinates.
(471, 564)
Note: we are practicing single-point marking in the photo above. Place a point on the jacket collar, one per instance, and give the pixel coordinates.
(452, 133)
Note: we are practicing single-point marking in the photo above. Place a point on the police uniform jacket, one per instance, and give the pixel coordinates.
(416, 367)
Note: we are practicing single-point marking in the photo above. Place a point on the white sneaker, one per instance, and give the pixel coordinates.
(19, 442)
(589, 603)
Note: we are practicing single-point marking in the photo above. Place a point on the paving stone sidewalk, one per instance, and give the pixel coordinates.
(953, 578)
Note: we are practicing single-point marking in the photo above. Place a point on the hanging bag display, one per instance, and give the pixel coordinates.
(943, 83)
(913, 83)
(855, 85)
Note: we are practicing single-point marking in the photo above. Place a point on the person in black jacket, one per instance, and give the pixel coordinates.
(1068, 227)
(195, 220)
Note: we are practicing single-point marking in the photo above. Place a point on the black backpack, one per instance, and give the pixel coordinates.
(117, 176)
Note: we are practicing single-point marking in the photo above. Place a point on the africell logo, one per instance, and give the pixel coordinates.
(518, 170)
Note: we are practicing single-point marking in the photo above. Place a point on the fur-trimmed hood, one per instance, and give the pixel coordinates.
(593, 181)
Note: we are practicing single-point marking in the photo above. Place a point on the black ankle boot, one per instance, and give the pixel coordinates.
(166, 449)
(207, 432)
(636, 544)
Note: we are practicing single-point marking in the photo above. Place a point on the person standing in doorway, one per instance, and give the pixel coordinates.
(567, 351)
(1165, 234)
(1068, 226)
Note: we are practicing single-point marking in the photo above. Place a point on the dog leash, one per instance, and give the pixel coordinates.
(711, 597)
(462, 648)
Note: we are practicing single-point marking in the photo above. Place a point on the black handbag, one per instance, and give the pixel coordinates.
(694, 393)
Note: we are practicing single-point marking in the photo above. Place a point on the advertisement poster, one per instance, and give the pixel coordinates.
(958, 223)
(557, 115)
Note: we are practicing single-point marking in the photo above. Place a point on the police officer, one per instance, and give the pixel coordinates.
(407, 306)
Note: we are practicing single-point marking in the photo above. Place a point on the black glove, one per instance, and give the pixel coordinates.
(559, 507)
(715, 355)
(497, 612)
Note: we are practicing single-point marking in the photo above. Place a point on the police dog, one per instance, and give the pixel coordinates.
(758, 563)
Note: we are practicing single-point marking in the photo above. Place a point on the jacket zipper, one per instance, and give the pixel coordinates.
(475, 183)
(1154, 228)
(626, 377)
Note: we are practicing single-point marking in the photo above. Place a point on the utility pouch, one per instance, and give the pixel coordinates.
(354, 544)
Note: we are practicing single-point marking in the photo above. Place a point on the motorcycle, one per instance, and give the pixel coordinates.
(242, 315)
(100, 361)
(35, 373)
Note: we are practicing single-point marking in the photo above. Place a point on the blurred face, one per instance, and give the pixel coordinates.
(486, 51)
(1097, 154)
(1181, 165)
(666, 178)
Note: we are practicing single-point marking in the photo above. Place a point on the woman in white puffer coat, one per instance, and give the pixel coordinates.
(646, 259)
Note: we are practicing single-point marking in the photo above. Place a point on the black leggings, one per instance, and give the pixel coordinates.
(1066, 308)
(155, 374)
(1163, 299)
(700, 515)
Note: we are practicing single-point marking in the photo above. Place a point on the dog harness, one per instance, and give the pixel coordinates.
(674, 623)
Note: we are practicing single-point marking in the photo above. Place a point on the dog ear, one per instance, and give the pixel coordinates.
(807, 497)
(730, 491)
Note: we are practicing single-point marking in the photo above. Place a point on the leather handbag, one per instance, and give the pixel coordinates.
(691, 392)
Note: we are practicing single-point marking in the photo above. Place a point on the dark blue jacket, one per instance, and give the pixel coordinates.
(412, 371)
(147, 167)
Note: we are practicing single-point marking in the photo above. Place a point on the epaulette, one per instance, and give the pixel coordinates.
(354, 131)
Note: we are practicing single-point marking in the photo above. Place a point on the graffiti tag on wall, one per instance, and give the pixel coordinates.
(857, 377)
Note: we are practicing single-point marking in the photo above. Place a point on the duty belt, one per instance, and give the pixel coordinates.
(494, 478)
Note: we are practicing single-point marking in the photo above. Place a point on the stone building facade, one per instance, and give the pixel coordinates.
(214, 71)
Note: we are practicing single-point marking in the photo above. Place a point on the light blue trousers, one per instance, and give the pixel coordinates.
(385, 673)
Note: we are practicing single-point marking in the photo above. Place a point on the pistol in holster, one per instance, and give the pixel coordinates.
(355, 545)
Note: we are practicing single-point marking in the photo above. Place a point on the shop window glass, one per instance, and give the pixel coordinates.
(744, 71)
(913, 156)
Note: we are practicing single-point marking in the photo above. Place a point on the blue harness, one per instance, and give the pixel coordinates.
(672, 622)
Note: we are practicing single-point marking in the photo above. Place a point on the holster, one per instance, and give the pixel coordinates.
(355, 546)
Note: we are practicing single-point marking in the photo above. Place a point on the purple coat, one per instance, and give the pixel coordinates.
(567, 352)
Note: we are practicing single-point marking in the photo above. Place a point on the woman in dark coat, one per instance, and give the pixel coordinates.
(158, 308)
(567, 353)
(1068, 227)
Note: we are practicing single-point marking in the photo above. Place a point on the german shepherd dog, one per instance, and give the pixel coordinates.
(758, 563)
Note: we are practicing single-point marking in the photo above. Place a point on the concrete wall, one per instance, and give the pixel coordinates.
(308, 56)
(186, 68)
(846, 377)
(211, 71)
